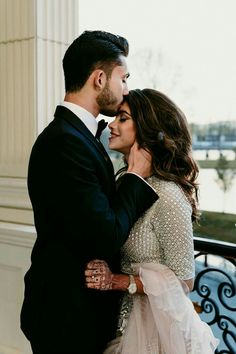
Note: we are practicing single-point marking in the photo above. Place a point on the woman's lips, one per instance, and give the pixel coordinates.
(112, 136)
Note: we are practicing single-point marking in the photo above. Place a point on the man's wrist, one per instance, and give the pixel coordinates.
(134, 173)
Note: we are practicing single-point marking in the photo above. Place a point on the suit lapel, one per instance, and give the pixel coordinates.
(76, 122)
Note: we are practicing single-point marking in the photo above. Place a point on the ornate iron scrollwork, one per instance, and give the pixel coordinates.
(218, 302)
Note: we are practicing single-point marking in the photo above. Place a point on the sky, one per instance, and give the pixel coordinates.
(184, 48)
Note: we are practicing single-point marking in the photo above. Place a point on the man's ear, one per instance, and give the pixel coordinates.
(99, 79)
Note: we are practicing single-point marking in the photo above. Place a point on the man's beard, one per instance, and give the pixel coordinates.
(107, 102)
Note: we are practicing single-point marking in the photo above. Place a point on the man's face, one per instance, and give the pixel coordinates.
(115, 89)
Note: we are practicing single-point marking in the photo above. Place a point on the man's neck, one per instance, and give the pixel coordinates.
(83, 100)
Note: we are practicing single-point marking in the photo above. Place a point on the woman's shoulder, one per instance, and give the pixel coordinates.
(168, 191)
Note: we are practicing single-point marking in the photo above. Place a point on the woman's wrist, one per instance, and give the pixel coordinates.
(122, 281)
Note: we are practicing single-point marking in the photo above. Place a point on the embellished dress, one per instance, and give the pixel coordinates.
(160, 250)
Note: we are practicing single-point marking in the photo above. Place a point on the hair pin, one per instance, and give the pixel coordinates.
(160, 136)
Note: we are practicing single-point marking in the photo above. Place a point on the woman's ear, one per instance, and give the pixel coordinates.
(99, 79)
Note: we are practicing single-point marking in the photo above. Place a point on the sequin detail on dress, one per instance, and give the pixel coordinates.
(162, 235)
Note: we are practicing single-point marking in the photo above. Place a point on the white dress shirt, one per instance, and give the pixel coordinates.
(87, 118)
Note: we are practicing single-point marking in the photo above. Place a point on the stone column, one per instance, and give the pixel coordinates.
(34, 35)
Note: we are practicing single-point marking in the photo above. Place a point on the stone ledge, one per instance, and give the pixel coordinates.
(17, 234)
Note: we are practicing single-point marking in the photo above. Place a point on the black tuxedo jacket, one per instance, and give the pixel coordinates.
(79, 216)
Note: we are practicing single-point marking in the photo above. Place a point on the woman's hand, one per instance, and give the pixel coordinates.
(98, 275)
(140, 161)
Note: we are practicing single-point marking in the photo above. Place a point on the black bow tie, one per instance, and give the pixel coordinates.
(101, 126)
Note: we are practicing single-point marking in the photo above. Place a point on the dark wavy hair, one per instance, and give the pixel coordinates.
(162, 128)
(90, 51)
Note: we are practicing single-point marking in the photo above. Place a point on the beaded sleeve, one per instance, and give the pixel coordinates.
(164, 233)
(173, 227)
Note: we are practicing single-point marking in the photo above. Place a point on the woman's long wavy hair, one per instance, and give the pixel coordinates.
(162, 128)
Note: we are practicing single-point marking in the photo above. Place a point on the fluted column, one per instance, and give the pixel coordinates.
(34, 35)
(17, 94)
(57, 26)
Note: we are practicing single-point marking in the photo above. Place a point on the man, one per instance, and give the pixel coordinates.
(78, 213)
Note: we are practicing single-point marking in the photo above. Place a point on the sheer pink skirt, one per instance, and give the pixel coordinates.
(164, 320)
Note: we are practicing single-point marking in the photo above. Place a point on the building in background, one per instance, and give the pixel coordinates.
(33, 37)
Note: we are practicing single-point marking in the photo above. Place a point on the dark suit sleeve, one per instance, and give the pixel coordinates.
(102, 225)
(68, 188)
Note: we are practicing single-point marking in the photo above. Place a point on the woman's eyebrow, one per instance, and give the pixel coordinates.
(123, 111)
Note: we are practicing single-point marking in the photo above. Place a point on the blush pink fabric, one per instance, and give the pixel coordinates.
(164, 320)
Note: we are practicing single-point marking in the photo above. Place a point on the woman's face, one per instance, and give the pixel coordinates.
(123, 131)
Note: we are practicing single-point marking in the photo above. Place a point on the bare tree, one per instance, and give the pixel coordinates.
(234, 150)
(225, 176)
(155, 69)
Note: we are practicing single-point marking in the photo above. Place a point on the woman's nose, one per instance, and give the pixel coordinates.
(111, 125)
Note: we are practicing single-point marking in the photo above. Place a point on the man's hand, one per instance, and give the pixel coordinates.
(140, 161)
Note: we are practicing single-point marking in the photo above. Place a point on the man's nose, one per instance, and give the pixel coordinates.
(126, 90)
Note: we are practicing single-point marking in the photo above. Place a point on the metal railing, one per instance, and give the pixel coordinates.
(215, 289)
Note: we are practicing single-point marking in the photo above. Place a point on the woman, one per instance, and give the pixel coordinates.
(158, 258)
